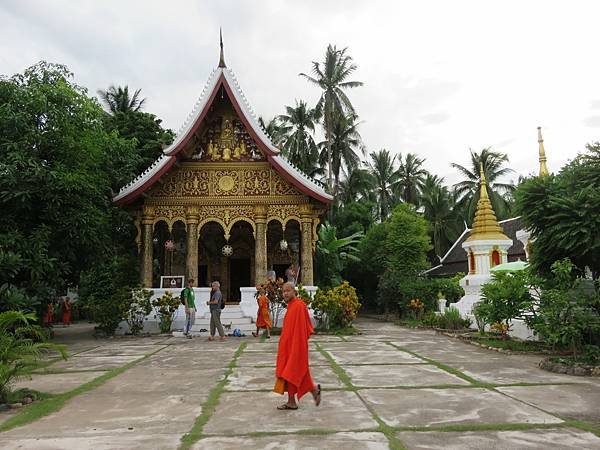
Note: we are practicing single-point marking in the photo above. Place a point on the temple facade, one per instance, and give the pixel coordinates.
(222, 203)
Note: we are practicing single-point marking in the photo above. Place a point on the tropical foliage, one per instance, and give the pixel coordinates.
(333, 254)
(22, 345)
(337, 307)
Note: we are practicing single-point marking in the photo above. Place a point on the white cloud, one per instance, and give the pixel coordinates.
(440, 77)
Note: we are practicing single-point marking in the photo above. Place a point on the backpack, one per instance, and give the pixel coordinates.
(182, 296)
(222, 303)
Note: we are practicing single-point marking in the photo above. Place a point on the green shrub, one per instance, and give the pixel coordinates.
(337, 307)
(139, 307)
(22, 344)
(507, 296)
(166, 308)
(451, 320)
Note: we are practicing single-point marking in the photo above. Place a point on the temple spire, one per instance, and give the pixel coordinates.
(485, 224)
(543, 167)
(222, 57)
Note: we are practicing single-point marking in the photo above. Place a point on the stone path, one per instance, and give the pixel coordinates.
(388, 388)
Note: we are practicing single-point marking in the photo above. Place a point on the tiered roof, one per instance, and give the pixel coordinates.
(222, 77)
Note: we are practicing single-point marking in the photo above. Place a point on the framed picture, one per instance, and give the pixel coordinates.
(172, 282)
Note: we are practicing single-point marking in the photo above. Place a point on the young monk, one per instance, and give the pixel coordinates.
(292, 372)
(67, 312)
(263, 319)
(49, 317)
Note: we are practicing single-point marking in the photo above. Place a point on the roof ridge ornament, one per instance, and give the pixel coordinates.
(222, 56)
(543, 167)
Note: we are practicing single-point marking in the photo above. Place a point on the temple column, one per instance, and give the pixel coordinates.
(146, 251)
(191, 257)
(306, 254)
(260, 246)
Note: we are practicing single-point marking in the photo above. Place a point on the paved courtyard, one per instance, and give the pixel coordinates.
(388, 388)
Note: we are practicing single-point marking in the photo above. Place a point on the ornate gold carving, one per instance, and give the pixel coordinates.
(226, 183)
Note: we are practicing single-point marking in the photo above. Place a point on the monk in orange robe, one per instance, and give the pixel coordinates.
(263, 318)
(49, 317)
(67, 312)
(292, 372)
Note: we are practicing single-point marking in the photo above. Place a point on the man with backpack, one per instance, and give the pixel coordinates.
(188, 299)
(216, 304)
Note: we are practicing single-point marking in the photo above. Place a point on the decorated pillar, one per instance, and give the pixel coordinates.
(260, 247)
(191, 257)
(146, 249)
(306, 252)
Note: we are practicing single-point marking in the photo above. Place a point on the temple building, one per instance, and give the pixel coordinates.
(222, 203)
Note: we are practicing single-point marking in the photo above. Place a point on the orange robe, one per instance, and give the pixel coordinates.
(292, 356)
(48, 318)
(67, 313)
(263, 318)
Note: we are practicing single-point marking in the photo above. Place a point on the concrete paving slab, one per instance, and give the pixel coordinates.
(547, 439)
(98, 413)
(188, 360)
(356, 346)
(129, 440)
(400, 375)
(325, 338)
(172, 381)
(503, 372)
(449, 354)
(237, 413)
(116, 350)
(56, 383)
(437, 407)
(347, 441)
(391, 356)
(263, 378)
(251, 359)
(581, 401)
(266, 347)
(93, 362)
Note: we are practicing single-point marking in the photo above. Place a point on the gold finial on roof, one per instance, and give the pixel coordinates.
(543, 167)
(222, 57)
(485, 225)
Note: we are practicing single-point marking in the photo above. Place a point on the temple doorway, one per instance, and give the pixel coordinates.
(239, 276)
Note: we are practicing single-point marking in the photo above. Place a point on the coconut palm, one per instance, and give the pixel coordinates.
(331, 76)
(117, 99)
(357, 184)
(298, 126)
(438, 205)
(411, 175)
(385, 176)
(345, 145)
(467, 190)
(273, 130)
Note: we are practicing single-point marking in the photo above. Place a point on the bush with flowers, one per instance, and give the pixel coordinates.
(166, 308)
(337, 307)
(415, 308)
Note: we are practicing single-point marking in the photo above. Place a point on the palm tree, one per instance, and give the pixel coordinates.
(358, 183)
(331, 76)
(411, 175)
(345, 143)
(385, 176)
(117, 99)
(438, 205)
(298, 126)
(467, 190)
(273, 130)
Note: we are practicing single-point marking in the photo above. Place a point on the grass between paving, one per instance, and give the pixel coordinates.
(584, 426)
(209, 406)
(388, 432)
(53, 404)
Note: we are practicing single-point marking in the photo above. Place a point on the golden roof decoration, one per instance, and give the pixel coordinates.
(485, 225)
(543, 167)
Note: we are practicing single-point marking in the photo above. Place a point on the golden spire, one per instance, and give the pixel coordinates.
(222, 57)
(543, 167)
(485, 225)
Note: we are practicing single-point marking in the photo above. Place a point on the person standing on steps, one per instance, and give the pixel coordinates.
(263, 318)
(190, 307)
(216, 305)
(292, 372)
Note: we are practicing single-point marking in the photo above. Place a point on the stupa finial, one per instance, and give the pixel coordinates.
(543, 167)
(222, 57)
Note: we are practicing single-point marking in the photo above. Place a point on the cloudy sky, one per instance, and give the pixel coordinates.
(440, 76)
